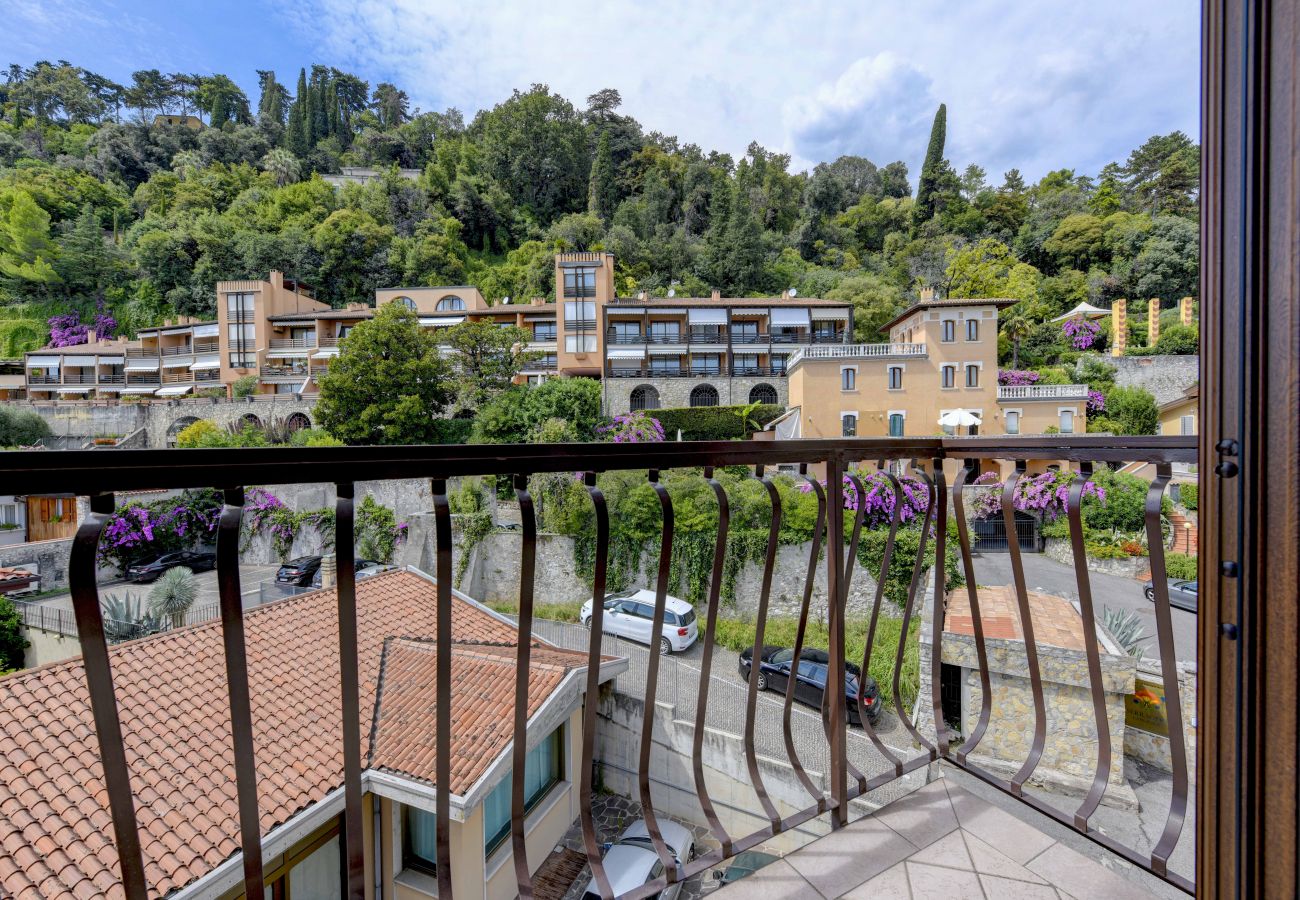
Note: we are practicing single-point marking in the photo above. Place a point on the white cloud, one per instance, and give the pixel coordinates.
(1033, 85)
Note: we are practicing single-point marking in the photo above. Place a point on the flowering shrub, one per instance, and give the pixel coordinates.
(634, 428)
(378, 532)
(1018, 377)
(105, 324)
(879, 498)
(139, 530)
(1081, 332)
(1096, 401)
(66, 330)
(1046, 494)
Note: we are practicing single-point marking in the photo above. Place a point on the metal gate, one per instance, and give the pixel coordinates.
(991, 534)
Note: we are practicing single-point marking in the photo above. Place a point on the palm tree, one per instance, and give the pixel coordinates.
(186, 162)
(173, 594)
(282, 164)
(1016, 328)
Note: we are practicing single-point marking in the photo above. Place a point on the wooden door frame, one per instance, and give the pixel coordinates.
(1249, 627)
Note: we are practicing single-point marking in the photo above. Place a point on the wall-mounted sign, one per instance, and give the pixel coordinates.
(1145, 710)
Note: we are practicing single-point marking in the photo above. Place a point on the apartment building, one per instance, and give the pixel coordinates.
(941, 358)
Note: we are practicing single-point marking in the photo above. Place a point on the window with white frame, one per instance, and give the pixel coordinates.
(1187, 424)
(972, 329)
(895, 376)
(972, 376)
(948, 375)
(849, 424)
(897, 421)
(849, 378)
(1013, 421)
(543, 769)
(580, 343)
(8, 513)
(579, 311)
(1067, 421)
(949, 331)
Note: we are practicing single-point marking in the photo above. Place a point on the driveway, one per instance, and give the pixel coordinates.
(1050, 577)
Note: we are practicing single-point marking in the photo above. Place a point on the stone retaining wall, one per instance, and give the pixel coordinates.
(675, 393)
(1164, 377)
(1134, 567)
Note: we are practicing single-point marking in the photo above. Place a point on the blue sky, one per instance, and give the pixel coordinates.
(1035, 85)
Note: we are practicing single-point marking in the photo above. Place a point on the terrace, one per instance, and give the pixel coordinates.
(860, 813)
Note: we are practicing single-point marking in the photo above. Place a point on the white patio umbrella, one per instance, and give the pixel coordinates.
(958, 418)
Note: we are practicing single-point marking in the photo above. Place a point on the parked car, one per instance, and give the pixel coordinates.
(631, 860)
(630, 614)
(365, 568)
(1182, 594)
(194, 560)
(298, 572)
(774, 672)
(744, 865)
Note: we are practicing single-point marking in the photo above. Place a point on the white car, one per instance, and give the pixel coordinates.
(630, 614)
(631, 861)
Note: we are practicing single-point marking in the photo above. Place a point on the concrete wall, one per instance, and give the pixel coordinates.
(50, 556)
(1165, 377)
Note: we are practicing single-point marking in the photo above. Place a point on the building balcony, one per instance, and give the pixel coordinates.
(1042, 392)
(723, 339)
(951, 796)
(142, 352)
(281, 374)
(143, 379)
(181, 350)
(293, 343)
(105, 378)
(42, 379)
(80, 378)
(858, 351)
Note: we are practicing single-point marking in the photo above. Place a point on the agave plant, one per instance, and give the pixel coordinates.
(127, 618)
(1126, 627)
(173, 594)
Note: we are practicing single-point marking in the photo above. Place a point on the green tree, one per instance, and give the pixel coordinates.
(928, 186)
(390, 104)
(602, 188)
(517, 415)
(1133, 410)
(273, 104)
(281, 164)
(223, 101)
(487, 359)
(27, 254)
(12, 642)
(1016, 328)
(1179, 340)
(1077, 242)
(387, 385)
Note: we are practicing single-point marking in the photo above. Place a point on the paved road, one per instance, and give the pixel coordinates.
(250, 579)
(1049, 576)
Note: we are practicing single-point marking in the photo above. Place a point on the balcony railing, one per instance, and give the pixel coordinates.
(182, 350)
(1042, 392)
(284, 372)
(43, 379)
(857, 351)
(722, 338)
(327, 342)
(698, 372)
(79, 377)
(142, 378)
(837, 535)
(293, 343)
(105, 378)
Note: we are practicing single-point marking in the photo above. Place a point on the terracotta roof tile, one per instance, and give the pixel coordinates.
(55, 829)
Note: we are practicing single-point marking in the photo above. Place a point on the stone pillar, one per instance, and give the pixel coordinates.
(1153, 321)
(329, 571)
(1185, 311)
(1118, 327)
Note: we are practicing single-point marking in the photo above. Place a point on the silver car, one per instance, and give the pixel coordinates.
(631, 861)
(630, 614)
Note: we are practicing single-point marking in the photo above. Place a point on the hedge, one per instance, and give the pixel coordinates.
(1189, 495)
(1180, 566)
(714, 423)
(453, 431)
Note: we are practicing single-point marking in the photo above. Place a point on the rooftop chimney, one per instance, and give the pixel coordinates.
(276, 279)
(538, 301)
(643, 295)
(717, 294)
(357, 307)
(785, 295)
(927, 294)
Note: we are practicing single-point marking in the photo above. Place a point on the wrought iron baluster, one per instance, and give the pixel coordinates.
(895, 518)
(918, 568)
(834, 588)
(970, 467)
(591, 702)
(527, 565)
(82, 564)
(1027, 630)
(940, 600)
(442, 740)
(241, 715)
(345, 589)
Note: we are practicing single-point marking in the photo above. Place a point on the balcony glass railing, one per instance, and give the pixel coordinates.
(850, 763)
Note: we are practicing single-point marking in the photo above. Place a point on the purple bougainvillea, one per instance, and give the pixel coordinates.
(879, 498)
(634, 428)
(1046, 494)
(1018, 377)
(1081, 332)
(67, 330)
(1096, 401)
(105, 324)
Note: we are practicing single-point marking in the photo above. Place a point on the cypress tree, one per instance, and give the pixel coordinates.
(295, 135)
(931, 170)
(602, 191)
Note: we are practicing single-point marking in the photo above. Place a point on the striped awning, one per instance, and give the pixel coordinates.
(79, 360)
(325, 353)
(206, 363)
(50, 362)
(441, 321)
(111, 360)
(176, 364)
(77, 389)
(830, 315)
(789, 318)
(626, 353)
(174, 390)
(142, 365)
(213, 330)
(138, 390)
(707, 316)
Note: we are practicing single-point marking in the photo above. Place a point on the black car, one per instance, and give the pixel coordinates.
(810, 684)
(364, 569)
(194, 560)
(298, 571)
(1182, 594)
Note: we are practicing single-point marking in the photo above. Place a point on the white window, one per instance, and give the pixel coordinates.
(895, 378)
(580, 343)
(972, 376)
(1013, 421)
(241, 332)
(849, 378)
(949, 376)
(1187, 424)
(8, 513)
(949, 333)
(243, 360)
(237, 304)
(579, 311)
(1067, 421)
(972, 330)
